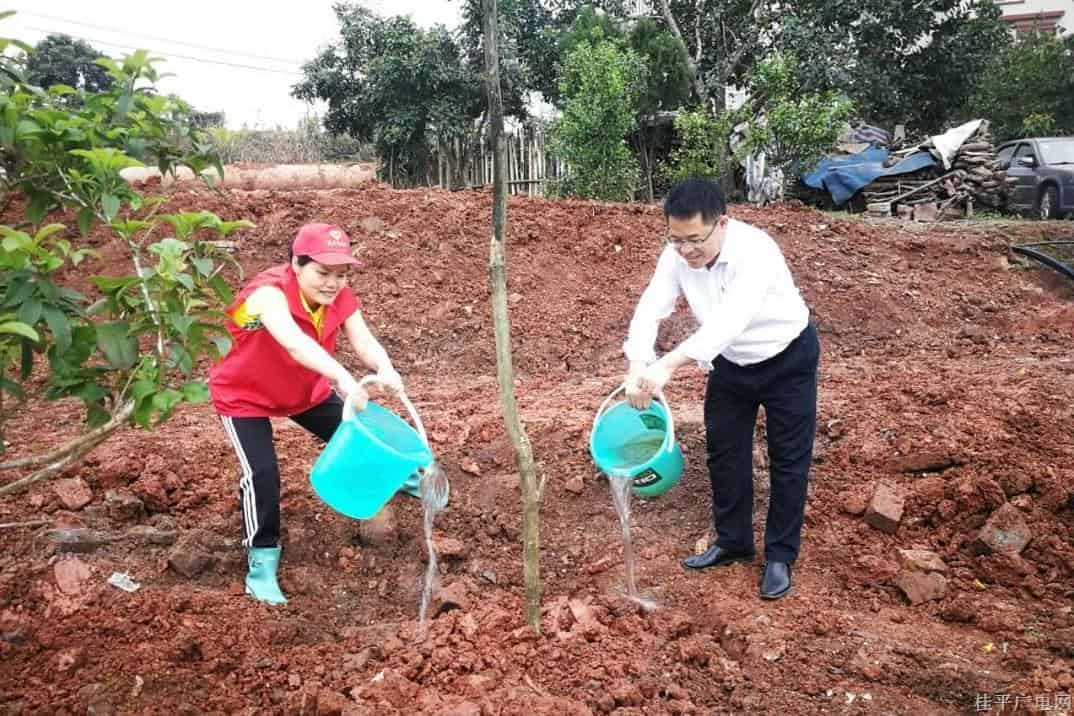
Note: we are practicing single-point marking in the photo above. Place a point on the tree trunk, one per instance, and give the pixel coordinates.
(695, 75)
(505, 374)
(58, 460)
(648, 153)
(462, 163)
(649, 159)
(641, 146)
(3, 417)
(718, 96)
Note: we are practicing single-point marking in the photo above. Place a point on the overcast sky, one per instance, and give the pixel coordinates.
(236, 56)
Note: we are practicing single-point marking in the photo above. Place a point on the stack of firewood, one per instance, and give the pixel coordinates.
(975, 179)
(979, 171)
(922, 184)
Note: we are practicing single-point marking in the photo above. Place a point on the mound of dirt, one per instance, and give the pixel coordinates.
(938, 551)
(265, 176)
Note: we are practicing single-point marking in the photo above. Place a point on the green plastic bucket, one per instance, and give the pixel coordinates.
(371, 456)
(639, 444)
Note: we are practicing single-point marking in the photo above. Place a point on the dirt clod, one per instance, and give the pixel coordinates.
(1005, 531)
(885, 509)
(73, 492)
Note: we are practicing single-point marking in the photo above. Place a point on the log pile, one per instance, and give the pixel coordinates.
(975, 179)
(795, 189)
(910, 189)
(979, 170)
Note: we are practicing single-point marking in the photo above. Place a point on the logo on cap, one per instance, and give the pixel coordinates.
(335, 238)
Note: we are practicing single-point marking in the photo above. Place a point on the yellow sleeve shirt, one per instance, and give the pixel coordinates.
(248, 318)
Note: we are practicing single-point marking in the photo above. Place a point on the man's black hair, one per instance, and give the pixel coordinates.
(695, 196)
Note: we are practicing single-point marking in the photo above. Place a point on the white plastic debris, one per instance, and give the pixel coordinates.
(122, 580)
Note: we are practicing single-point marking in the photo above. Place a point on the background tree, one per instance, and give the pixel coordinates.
(663, 81)
(590, 25)
(665, 87)
(388, 82)
(913, 63)
(63, 60)
(666, 83)
(206, 120)
(701, 148)
(1028, 89)
(722, 38)
(535, 37)
(526, 49)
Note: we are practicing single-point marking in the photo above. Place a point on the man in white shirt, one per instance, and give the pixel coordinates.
(756, 340)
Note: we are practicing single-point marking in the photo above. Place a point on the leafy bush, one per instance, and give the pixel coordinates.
(792, 126)
(701, 147)
(132, 353)
(599, 85)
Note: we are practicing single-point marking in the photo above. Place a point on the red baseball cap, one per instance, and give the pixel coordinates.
(324, 243)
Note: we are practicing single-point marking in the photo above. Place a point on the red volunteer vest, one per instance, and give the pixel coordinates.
(258, 378)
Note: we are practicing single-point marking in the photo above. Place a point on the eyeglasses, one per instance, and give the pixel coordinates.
(678, 243)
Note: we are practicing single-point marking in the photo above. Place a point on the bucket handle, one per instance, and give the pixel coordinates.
(348, 409)
(669, 436)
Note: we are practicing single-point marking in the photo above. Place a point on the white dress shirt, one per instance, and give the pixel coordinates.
(747, 304)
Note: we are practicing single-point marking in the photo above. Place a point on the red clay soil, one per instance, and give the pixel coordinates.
(947, 374)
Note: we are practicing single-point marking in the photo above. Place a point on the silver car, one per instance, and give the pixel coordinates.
(1043, 169)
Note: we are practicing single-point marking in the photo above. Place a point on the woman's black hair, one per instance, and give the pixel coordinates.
(302, 260)
(695, 196)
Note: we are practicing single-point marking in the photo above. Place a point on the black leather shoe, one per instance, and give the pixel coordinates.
(776, 581)
(716, 556)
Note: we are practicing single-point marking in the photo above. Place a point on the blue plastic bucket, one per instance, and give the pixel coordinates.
(369, 458)
(639, 444)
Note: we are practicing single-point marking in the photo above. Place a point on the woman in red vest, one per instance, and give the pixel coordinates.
(284, 324)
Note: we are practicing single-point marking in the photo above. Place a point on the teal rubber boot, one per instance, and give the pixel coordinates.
(261, 581)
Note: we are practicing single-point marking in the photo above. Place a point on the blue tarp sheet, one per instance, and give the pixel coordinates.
(845, 177)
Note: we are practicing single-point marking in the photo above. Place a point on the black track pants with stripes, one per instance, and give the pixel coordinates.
(259, 486)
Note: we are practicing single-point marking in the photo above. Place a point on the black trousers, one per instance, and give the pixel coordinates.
(786, 385)
(259, 487)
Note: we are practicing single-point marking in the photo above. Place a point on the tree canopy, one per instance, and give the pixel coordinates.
(1028, 89)
(64, 60)
(912, 63)
(923, 65)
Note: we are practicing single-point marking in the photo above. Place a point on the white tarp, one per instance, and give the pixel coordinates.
(946, 145)
(765, 184)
